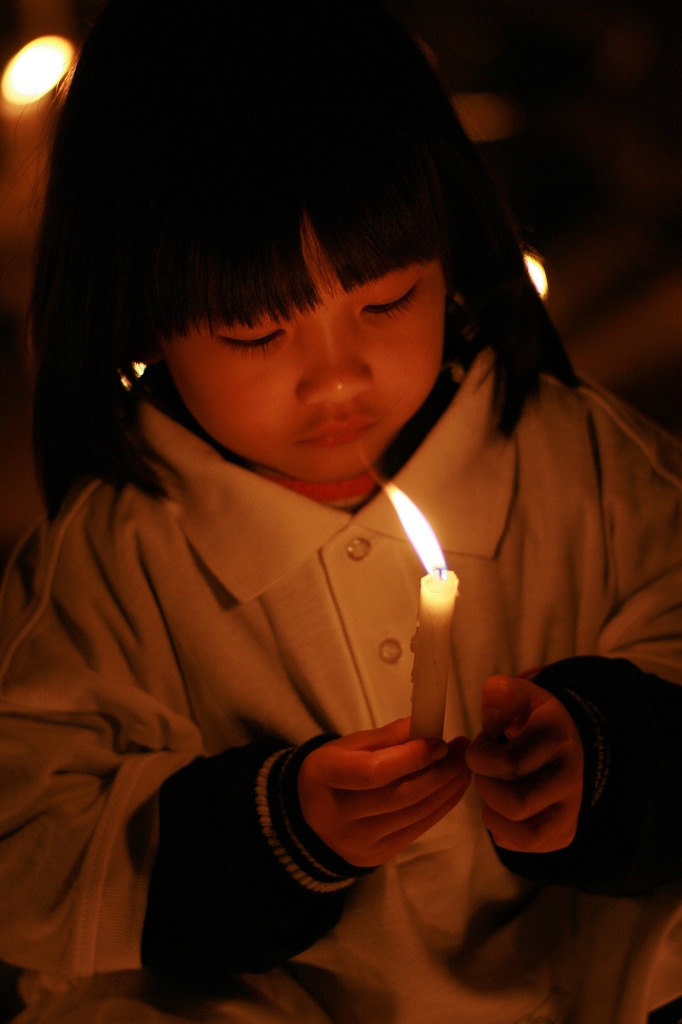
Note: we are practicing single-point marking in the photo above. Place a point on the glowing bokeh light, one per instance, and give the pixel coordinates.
(488, 116)
(36, 69)
(537, 274)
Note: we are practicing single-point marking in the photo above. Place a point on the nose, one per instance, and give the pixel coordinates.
(333, 377)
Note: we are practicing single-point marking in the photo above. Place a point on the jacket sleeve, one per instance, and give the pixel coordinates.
(625, 691)
(629, 837)
(639, 473)
(121, 838)
(240, 883)
(84, 750)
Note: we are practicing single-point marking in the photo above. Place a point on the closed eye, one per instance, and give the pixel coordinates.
(249, 344)
(253, 345)
(391, 308)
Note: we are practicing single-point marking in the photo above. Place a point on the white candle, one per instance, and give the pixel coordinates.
(431, 646)
(432, 641)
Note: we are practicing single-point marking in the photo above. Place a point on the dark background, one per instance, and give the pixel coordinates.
(588, 97)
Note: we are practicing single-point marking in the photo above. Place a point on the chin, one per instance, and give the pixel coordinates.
(325, 465)
(330, 471)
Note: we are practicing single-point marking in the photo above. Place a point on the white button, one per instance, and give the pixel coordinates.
(358, 549)
(390, 650)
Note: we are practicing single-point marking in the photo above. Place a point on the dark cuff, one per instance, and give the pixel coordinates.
(219, 902)
(300, 851)
(593, 728)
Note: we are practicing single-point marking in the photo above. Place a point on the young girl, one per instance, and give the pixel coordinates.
(211, 809)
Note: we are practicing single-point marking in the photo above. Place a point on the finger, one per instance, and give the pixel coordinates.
(373, 739)
(383, 847)
(549, 732)
(507, 703)
(398, 840)
(518, 801)
(379, 826)
(539, 743)
(405, 792)
(372, 769)
(552, 829)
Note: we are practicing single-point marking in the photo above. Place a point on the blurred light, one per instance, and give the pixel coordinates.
(36, 69)
(137, 371)
(537, 274)
(487, 116)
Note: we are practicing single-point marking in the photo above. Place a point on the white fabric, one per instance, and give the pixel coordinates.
(138, 633)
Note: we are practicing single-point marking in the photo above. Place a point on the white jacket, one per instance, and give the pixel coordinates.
(138, 633)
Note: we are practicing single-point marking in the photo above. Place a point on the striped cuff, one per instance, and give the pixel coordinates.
(601, 751)
(300, 851)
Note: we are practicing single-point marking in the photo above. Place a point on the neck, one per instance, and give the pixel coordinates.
(347, 494)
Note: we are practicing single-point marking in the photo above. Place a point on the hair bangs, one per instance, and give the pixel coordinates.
(238, 254)
(226, 277)
(381, 219)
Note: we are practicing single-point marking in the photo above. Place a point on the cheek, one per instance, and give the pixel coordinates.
(417, 363)
(247, 408)
(206, 388)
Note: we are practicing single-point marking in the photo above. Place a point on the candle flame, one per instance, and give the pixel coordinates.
(418, 531)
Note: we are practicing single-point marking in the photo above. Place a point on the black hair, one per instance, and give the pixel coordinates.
(195, 139)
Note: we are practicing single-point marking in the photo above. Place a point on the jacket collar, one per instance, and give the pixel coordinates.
(252, 532)
(462, 475)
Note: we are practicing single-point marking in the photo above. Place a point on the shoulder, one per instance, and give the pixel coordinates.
(97, 545)
(588, 426)
(624, 428)
(98, 519)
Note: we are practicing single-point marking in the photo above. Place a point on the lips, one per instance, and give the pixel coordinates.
(338, 432)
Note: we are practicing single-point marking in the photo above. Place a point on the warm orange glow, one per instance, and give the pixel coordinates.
(488, 116)
(36, 69)
(537, 274)
(417, 528)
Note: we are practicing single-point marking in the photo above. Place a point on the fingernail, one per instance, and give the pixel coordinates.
(437, 749)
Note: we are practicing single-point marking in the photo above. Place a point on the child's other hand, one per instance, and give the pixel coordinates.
(532, 784)
(370, 794)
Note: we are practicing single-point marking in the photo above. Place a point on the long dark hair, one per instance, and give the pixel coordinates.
(194, 139)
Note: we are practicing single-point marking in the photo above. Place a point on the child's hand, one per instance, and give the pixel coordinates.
(532, 785)
(370, 794)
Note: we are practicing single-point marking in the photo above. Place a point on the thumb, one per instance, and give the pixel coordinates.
(506, 703)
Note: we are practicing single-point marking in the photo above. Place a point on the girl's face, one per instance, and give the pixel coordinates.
(320, 396)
